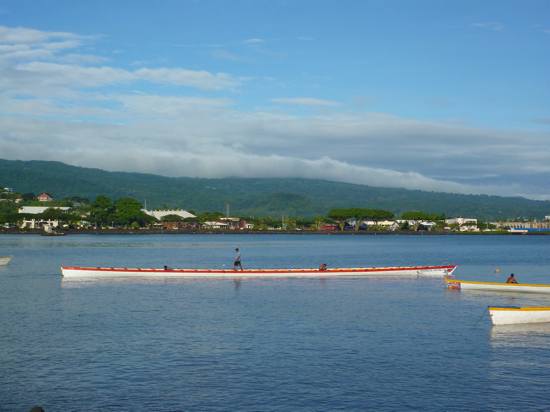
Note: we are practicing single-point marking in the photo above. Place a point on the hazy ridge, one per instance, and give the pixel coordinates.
(253, 196)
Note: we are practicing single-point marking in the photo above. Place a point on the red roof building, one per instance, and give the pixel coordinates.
(44, 197)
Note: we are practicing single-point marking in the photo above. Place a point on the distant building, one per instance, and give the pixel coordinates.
(391, 225)
(530, 226)
(44, 197)
(461, 221)
(35, 222)
(177, 225)
(468, 228)
(215, 225)
(547, 217)
(426, 225)
(38, 224)
(36, 210)
(412, 224)
(159, 214)
(236, 223)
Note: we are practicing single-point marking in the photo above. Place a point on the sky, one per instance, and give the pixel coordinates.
(446, 96)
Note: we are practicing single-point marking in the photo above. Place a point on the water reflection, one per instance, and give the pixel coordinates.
(91, 282)
(237, 283)
(533, 335)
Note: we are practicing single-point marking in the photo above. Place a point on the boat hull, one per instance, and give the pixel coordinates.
(497, 287)
(76, 272)
(4, 260)
(519, 315)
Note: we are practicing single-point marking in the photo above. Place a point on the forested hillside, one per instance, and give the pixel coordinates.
(253, 196)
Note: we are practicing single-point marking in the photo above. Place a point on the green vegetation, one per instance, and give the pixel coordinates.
(8, 212)
(296, 198)
(357, 214)
(127, 213)
(419, 215)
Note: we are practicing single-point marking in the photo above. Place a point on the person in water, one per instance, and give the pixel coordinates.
(237, 260)
(511, 279)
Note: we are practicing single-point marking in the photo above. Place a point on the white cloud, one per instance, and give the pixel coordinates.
(163, 107)
(77, 58)
(70, 75)
(182, 77)
(22, 35)
(56, 103)
(38, 60)
(24, 44)
(178, 155)
(206, 137)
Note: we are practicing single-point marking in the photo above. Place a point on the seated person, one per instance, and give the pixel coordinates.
(323, 267)
(511, 279)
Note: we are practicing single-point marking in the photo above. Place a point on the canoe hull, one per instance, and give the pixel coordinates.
(4, 260)
(515, 316)
(497, 287)
(76, 272)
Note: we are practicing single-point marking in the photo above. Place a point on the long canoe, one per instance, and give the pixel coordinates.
(4, 260)
(518, 315)
(76, 272)
(497, 286)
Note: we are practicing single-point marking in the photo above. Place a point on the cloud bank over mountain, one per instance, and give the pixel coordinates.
(60, 101)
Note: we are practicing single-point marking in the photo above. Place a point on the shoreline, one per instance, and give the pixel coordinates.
(258, 232)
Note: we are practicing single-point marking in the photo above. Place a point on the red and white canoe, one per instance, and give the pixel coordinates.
(77, 272)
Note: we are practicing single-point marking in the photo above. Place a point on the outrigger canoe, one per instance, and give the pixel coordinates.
(4, 260)
(76, 272)
(497, 286)
(512, 315)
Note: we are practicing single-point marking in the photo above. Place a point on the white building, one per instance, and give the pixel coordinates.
(461, 221)
(215, 225)
(39, 224)
(417, 224)
(36, 210)
(159, 214)
(386, 224)
(468, 228)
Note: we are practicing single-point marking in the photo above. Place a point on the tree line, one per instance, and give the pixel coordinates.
(127, 212)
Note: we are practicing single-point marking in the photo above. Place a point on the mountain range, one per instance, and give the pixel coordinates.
(254, 196)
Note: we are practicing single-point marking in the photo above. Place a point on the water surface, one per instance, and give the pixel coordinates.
(291, 344)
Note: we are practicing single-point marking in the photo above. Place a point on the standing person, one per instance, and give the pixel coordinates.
(237, 260)
(511, 279)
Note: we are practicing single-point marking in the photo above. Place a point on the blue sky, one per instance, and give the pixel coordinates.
(431, 95)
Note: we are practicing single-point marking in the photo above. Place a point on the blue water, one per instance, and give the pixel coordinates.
(269, 345)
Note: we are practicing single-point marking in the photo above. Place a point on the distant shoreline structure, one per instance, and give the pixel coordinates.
(271, 232)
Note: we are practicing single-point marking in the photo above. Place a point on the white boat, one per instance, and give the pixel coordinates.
(519, 315)
(76, 272)
(4, 260)
(497, 286)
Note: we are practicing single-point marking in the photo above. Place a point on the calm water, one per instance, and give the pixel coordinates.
(263, 345)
